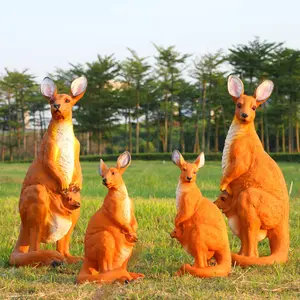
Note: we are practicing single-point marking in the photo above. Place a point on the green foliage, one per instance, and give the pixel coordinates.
(159, 104)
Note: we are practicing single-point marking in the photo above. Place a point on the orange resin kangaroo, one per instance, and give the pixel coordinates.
(255, 182)
(50, 196)
(111, 232)
(199, 225)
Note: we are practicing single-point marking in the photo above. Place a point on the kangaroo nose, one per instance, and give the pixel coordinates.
(104, 180)
(244, 115)
(189, 178)
(57, 106)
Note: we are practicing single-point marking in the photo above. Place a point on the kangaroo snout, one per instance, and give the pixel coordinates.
(56, 106)
(244, 115)
(104, 181)
(189, 178)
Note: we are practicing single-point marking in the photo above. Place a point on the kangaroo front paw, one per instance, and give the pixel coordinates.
(131, 237)
(70, 259)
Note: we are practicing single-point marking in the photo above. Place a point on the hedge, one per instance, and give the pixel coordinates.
(279, 157)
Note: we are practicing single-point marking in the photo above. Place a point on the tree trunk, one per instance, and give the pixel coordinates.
(9, 128)
(181, 139)
(100, 142)
(290, 132)
(203, 116)
(147, 126)
(196, 144)
(283, 139)
(277, 140)
(88, 143)
(137, 131)
(158, 133)
(217, 135)
(130, 132)
(2, 145)
(126, 133)
(297, 136)
(165, 142)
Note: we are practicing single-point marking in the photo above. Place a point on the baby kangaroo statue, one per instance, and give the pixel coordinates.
(111, 232)
(50, 196)
(199, 224)
(260, 202)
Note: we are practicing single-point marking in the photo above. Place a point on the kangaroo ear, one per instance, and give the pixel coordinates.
(263, 92)
(48, 88)
(124, 161)
(200, 160)
(78, 88)
(235, 87)
(177, 158)
(102, 167)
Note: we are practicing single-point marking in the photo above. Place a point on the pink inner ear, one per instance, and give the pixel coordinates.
(176, 157)
(78, 86)
(123, 161)
(77, 89)
(48, 90)
(264, 91)
(235, 87)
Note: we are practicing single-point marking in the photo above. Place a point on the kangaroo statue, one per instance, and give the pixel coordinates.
(255, 182)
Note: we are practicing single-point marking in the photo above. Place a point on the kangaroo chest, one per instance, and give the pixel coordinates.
(65, 141)
(127, 210)
(235, 131)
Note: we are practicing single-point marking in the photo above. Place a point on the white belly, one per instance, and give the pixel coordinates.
(65, 140)
(234, 225)
(58, 228)
(127, 210)
(122, 256)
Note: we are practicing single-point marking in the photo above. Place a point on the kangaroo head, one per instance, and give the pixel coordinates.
(188, 170)
(246, 106)
(112, 177)
(224, 201)
(61, 104)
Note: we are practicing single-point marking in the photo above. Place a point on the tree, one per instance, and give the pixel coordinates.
(135, 70)
(205, 70)
(169, 64)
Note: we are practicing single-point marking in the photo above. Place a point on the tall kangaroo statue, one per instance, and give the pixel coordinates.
(50, 195)
(254, 182)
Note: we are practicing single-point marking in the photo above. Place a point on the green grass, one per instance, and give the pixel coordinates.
(152, 185)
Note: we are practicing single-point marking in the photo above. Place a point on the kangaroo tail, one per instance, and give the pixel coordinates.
(245, 261)
(41, 257)
(222, 269)
(120, 275)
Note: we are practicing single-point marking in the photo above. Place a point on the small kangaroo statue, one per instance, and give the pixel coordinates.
(111, 232)
(199, 225)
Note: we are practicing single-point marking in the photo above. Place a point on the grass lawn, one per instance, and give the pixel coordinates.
(152, 185)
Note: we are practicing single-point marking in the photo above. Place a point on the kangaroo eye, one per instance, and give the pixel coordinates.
(113, 173)
(195, 172)
(239, 105)
(184, 169)
(223, 198)
(67, 101)
(254, 107)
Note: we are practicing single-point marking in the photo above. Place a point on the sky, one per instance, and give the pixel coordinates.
(45, 35)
